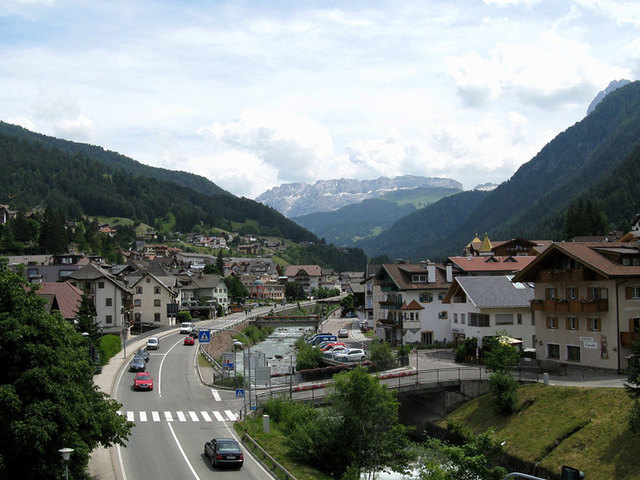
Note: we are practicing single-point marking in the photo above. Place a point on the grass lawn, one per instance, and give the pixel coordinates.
(585, 428)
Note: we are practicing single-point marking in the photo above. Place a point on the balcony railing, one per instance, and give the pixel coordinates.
(572, 306)
(390, 305)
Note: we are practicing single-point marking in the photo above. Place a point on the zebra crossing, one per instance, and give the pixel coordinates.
(180, 416)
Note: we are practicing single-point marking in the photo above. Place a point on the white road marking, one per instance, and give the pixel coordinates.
(216, 395)
(206, 416)
(155, 416)
(218, 416)
(131, 416)
(168, 416)
(232, 416)
(143, 416)
(175, 438)
(181, 416)
(194, 417)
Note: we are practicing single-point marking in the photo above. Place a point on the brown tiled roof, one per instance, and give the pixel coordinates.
(401, 273)
(492, 263)
(413, 305)
(67, 297)
(312, 270)
(591, 255)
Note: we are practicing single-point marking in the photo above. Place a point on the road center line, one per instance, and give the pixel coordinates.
(175, 438)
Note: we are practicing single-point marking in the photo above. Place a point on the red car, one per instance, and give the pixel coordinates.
(189, 340)
(142, 381)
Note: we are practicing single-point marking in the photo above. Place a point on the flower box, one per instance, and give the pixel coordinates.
(562, 306)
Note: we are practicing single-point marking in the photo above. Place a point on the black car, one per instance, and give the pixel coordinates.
(137, 364)
(141, 352)
(224, 451)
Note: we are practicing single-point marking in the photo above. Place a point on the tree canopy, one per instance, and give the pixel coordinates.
(47, 396)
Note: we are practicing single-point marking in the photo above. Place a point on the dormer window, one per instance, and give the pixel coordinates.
(418, 279)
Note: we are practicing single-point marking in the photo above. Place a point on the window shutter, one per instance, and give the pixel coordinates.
(598, 324)
(549, 322)
(627, 293)
(568, 321)
(631, 325)
(577, 323)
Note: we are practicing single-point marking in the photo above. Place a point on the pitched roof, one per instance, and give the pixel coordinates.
(494, 291)
(311, 270)
(401, 274)
(67, 297)
(93, 272)
(505, 264)
(596, 256)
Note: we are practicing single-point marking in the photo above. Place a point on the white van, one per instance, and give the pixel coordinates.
(186, 327)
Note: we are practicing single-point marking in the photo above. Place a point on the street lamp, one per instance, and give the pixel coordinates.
(66, 453)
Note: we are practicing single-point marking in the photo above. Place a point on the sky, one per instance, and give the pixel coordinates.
(254, 94)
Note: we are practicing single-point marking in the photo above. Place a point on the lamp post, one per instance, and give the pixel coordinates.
(66, 453)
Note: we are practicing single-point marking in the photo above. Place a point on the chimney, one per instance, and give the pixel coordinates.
(449, 273)
(431, 272)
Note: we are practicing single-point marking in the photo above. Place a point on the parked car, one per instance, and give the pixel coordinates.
(330, 345)
(137, 364)
(141, 352)
(189, 340)
(322, 338)
(350, 315)
(153, 343)
(224, 451)
(142, 381)
(333, 351)
(343, 333)
(351, 355)
(186, 327)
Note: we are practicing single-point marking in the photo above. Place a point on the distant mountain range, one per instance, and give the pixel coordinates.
(297, 199)
(598, 158)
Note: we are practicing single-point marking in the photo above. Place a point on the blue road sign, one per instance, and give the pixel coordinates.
(239, 392)
(204, 336)
(254, 407)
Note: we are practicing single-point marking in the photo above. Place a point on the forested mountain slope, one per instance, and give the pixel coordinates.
(114, 160)
(532, 203)
(36, 174)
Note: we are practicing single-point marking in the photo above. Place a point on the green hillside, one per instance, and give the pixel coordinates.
(533, 202)
(582, 427)
(419, 197)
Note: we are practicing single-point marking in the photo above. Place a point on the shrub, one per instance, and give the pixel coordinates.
(184, 316)
(505, 391)
(109, 346)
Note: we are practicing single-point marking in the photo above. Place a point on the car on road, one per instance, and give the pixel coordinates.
(142, 381)
(141, 352)
(153, 343)
(224, 451)
(186, 327)
(194, 333)
(343, 333)
(189, 340)
(351, 355)
(137, 364)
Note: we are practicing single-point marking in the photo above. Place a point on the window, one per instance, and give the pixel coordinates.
(572, 293)
(137, 302)
(426, 338)
(573, 353)
(100, 284)
(156, 303)
(593, 324)
(426, 297)
(552, 323)
(455, 318)
(443, 315)
(572, 323)
(156, 290)
(550, 294)
(64, 273)
(418, 278)
(462, 318)
(478, 320)
(33, 272)
(108, 301)
(504, 319)
(519, 318)
(148, 280)
(138, 290)
(633, 293)
(634, 324)
(593, 293)
(108, 319)
(66, 260)
(553, 350)
(441, 295)
(156, 317)
(137, 317)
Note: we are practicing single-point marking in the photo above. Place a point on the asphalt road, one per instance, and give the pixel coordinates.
(173, 421)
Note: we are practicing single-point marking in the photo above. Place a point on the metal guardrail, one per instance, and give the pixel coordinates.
(274, 467)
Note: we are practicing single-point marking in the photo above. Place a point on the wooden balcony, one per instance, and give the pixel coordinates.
(573, 306)
(572, 275)
(390, 305)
